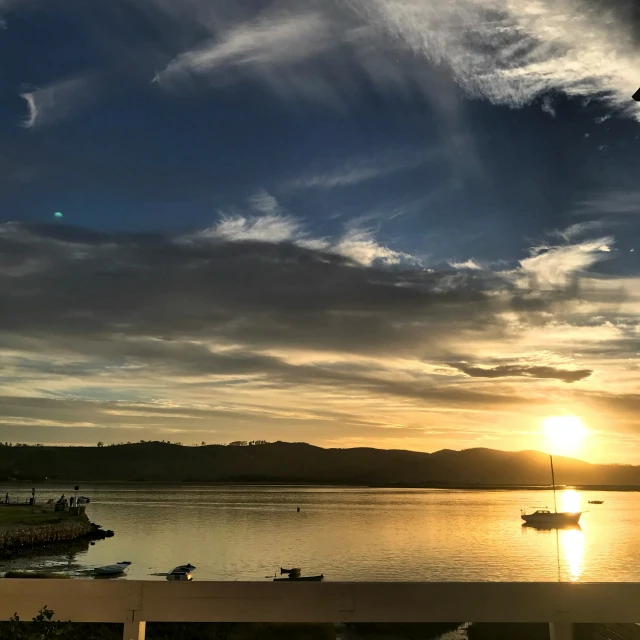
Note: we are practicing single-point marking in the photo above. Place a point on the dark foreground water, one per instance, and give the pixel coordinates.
(246, 533)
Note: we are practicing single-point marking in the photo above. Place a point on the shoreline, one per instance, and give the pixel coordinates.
(325, 485)
(23, 531)
(502, 487)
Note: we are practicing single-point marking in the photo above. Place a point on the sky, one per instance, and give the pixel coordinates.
(386, 223)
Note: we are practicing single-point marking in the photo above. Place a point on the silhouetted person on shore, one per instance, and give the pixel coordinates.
(6, 498)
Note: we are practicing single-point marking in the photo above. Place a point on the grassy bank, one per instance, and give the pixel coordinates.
(23, 530)
(12, 516)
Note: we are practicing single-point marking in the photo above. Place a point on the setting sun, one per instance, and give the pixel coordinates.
(564, 434)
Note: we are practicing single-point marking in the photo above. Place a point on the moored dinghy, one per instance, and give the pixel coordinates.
(293, 575)
(183, 572)
(112, 569)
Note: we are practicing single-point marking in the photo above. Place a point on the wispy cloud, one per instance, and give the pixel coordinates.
(282, 39)
(509, 52)
(612, 202)
(547, 106)
(265, 203)
(357, 244)
(512, 51)
(550, 266)
(359, 170)
(32, 110)
(56, 101)
(266, 228)
(268, 221)
(360, 246)
(471, 263)
(527, 371)
(578, 229)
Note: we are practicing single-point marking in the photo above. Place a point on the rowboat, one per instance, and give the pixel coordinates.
(293, 575)
(112, 569)
(183, 572)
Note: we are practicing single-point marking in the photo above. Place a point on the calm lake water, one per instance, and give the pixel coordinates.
(246, 533)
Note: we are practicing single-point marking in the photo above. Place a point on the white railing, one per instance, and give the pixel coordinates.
(134, 602)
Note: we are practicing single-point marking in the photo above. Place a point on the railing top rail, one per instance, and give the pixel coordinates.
(158, 601)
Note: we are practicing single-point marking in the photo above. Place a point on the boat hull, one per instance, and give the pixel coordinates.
(112, 569)
(552, 519)
(109, 572)
(319, 578)
(180, 577)
(182, 573)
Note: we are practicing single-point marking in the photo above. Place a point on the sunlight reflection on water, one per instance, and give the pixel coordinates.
(573, 547)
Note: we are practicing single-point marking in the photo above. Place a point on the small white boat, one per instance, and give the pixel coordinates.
(182, 572)
(112, 569)
(83, 500)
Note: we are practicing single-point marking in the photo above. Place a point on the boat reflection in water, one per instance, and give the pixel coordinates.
(545, 526)
(570, 547)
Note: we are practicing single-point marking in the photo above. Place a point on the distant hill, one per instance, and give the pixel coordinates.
(299, 462)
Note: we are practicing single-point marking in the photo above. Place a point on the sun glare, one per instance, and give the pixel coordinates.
(570, 501)
(564, 434)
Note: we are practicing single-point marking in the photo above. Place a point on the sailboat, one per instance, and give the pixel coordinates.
(555, 518)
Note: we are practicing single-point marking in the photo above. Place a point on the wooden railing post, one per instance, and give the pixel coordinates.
(134, 630)
(561, 631)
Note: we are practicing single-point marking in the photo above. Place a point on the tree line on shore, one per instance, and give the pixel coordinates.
(100, 443)
(258, 461)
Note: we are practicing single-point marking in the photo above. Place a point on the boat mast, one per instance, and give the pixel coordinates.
(553, 480)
